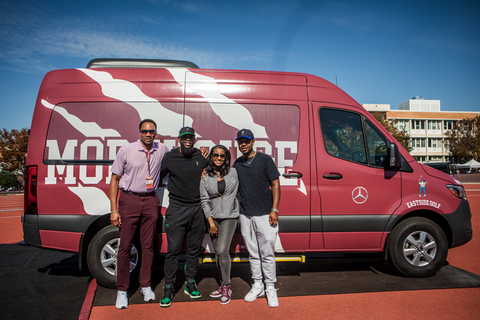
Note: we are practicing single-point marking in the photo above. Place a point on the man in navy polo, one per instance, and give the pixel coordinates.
(136, 171)
(259, 196)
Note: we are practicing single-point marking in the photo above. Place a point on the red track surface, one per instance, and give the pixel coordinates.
(424, 304)
(11, 210)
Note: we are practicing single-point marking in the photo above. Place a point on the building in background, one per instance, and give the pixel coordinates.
(426, 124)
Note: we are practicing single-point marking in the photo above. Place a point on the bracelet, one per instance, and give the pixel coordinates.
(276, 210)
(114, 211)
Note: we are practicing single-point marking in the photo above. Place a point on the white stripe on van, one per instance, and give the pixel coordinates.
(232, 113)
(167, 121)
(95, 201)
(88, 129)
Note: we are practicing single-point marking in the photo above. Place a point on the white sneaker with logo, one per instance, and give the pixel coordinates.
(147, 293)
(272, 297)
(122, 300)
(255, 292)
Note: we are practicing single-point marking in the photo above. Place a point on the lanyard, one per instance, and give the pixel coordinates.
(147, 153)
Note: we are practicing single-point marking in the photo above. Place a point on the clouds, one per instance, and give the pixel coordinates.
(36, 40)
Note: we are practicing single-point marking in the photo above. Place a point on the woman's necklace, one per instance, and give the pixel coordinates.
(248, 162)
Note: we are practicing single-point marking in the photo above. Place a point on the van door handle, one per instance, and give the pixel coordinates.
(297, 175)
(333, 176)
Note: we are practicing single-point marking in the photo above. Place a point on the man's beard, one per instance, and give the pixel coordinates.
(187, 150)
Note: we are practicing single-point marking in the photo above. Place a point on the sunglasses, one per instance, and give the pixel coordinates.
(221, 155)
(246, 141)
(147, 131)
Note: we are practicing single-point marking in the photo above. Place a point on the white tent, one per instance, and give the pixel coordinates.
(470, 164)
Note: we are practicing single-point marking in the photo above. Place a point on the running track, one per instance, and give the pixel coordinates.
(425, 304)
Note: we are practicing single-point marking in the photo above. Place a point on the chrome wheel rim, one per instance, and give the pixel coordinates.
(108, 256)
(419, 248)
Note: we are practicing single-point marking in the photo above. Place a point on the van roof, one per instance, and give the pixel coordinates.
(138, 63)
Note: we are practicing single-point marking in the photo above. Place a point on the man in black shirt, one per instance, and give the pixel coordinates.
(259, 196)
(184, 216)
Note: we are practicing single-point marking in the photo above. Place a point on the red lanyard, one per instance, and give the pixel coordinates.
(148, 160)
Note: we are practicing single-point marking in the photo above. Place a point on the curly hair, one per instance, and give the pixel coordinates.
(224, 168)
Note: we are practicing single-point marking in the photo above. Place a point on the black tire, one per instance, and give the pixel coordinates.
(102, 257)
(418, 247)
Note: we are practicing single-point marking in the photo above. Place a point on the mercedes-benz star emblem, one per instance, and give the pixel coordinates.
(359, 195)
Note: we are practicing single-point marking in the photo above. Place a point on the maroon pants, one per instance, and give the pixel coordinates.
(134, 211)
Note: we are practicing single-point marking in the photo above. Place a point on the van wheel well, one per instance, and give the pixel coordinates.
(87, 237)
(90, 233)
(435, 217)
(417, 247)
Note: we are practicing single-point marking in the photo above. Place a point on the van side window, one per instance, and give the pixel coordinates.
(276, 127)
(377, 145)
(342, 135)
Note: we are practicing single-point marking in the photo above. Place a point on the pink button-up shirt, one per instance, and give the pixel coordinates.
(132, 165)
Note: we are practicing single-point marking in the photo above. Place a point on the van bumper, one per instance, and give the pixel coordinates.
(31, 236)
(460, 224)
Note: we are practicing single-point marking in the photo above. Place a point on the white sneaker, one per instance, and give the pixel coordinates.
(122, 300)
(147, 293)
(255, 292)
(272, 297)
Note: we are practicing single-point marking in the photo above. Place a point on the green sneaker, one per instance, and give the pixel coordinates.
(191, 289)
(167, 296)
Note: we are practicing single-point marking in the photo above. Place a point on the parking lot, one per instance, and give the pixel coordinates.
(328, 288)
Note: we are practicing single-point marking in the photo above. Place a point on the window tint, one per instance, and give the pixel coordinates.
(218, 123)
(377, 145)
(342, 135)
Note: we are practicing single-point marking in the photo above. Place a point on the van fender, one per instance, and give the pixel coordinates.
(437, 218)
(87, 236)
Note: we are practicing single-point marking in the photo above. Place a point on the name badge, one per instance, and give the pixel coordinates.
(149, 182)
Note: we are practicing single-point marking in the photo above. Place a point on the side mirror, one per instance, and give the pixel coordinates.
(394, 158)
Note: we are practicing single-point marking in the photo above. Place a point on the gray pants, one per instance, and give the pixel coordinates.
(221, 244)
(259, 237)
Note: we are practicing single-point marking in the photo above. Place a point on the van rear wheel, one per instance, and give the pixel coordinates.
(418, 247)
(102, 257)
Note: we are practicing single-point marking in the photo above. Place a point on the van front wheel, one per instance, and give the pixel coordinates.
(418, 247)
(102, 257)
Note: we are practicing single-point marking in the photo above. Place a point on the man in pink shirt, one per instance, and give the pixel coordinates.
(136, 171)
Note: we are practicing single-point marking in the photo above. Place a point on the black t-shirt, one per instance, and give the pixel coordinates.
(185, 173)
(254, 192)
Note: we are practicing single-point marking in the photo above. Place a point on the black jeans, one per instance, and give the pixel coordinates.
(183, 221)
(221, 244)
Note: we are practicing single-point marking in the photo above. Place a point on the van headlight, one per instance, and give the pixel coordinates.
(457, 191)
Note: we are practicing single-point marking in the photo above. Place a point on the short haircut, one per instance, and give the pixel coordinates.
(147, 120)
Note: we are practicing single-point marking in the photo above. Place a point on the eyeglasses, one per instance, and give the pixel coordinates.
(221, 155)
(147, 131)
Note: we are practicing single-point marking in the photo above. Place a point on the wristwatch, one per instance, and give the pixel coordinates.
(276, 210)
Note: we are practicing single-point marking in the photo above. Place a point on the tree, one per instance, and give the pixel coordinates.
(13, 150)
(8, 180)
(463, 140)
(400, 135)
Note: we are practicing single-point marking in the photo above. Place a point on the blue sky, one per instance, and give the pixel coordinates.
(377, 51)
